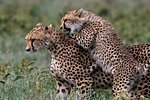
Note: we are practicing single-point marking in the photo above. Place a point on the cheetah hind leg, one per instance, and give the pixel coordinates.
(83, 86)
(63, 89)
(90, 68)
(122, 97)
(124, 85)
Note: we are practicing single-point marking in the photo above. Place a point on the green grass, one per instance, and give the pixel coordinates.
(20, 81)
(27, 82)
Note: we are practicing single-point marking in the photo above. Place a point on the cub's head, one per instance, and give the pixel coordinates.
(74, 20)
(38, 38)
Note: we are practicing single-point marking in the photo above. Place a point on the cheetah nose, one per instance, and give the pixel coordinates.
(28, 50)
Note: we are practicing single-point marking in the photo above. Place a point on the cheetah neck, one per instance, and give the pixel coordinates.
(57, 42)
(92, 17)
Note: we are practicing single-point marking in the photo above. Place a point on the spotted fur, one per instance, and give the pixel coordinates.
(101, 39)
(69, 63)
(40, 38)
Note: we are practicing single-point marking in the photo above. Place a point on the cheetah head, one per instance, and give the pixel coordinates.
(74, 20)
(38, 38)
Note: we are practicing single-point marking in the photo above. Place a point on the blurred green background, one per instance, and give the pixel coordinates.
(19, 77)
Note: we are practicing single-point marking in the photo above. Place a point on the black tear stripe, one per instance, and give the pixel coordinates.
(66, 28)
(64, 23)
(32, 40)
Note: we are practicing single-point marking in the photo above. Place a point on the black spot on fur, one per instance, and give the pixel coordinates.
(46, 28)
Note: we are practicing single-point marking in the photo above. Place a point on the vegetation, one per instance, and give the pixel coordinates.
(27, 77)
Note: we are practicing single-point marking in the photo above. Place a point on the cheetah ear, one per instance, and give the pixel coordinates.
(79, 12)
(50, 25)
(38, 24)
(49, 28)
(81, 9)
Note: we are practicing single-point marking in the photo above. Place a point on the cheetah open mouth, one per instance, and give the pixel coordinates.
(67, 29)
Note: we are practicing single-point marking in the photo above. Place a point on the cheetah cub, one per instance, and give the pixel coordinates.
(101, 39)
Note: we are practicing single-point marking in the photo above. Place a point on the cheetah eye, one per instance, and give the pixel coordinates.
(65, 20)
(68, 21)
(79, 16)
(32, 40)
(46, 28)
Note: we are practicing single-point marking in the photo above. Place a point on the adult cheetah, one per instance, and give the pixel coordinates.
(101, 39)
(69, 61)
